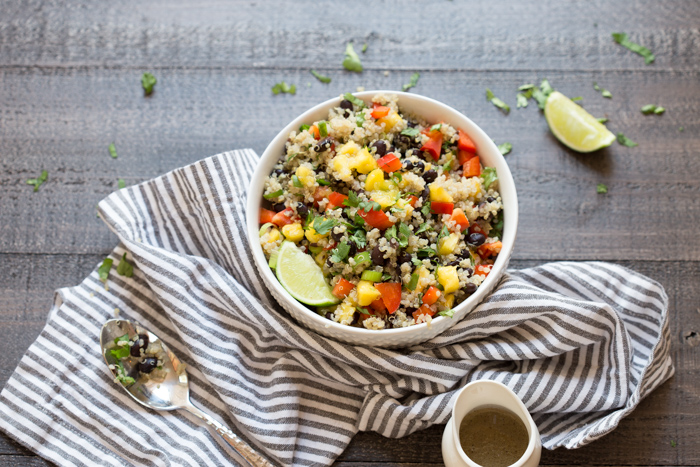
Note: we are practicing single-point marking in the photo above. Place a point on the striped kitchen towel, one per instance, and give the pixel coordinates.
(580, 343)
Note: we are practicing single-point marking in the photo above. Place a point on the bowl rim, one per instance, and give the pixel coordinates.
(254, 200)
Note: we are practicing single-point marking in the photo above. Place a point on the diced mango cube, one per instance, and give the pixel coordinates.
(293, 232)
(448, 278)
(366, 293)
(447, 245)
(390, 121)
(423, 273)
(364, 162)
(351, 156)
(373, 180)
(273, 235)
(305, 176)
(439, 194)
(402, 203)
(449, 300)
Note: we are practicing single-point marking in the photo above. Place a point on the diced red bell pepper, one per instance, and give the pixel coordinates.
(464, 156)
(378, 307)
(343, 288)
(335, 200)
(412, 200)
(266, 215)
(488, 250)
(431, 295)
(380, 111)
(423, 310)
(460, 220)
(483, 269)
(465, 143)
(315, 131)
(391, 295)
(476, 228)
(377, 219)
(472, 167)
(389, 163)
(438, 207)
(320, 194)
(434, 144)
(283, 217)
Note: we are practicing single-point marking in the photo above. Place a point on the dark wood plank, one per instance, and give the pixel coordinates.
(24, 461)
(525, 35)
(63, 121)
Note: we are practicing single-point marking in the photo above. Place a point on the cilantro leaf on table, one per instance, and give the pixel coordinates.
(112, 150)
(652, 109)
(148, 81)
(351, 62)
(621, 38)
(521, 99)
(37, 182)
(496, 101)
(601, 188)
(320, 77)
(283, 87)
(505, 148)
(412, 83)
(625, 141)
(121, 183)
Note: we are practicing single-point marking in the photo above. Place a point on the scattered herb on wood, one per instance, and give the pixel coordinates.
(351, 62)
(602, 120)
(112, 151)
(412, 83)
(621, 38)
(148, 81)
(364, 48)
(603, 92)
(496, 101)
(601, 188)
(505, 148)
(320, 77)
(625, 141)
(283, 87)
(652, 109)
(37, 182)
(121, 183)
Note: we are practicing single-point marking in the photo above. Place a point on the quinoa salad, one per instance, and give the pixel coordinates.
(398, 214)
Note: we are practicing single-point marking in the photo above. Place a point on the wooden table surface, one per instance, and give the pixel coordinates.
(70, 85)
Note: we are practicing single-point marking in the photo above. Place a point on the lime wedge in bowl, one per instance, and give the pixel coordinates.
(573, 126)
(302, 277)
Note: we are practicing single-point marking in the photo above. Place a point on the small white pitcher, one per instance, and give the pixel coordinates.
(492, 393)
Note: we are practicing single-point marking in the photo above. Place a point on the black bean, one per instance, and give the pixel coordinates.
(404, 140)
(465, 254)
(490, 199)
(278, 207)
(411, 124)
(425, 194)
(405, 257)
(419, 166)
(141, 343)
(430, 176)
(378, 256)
(476, 238)
(454, 263)
(353, 248)
(408, 165)
(302, 210)
(279, 172)
(470, 272)
(324, 145)
(410, 310)
(148, 364)
(337, 236)
(469, 289)
(346, 105)
(391, 149)
(380, 146)
(329, 263)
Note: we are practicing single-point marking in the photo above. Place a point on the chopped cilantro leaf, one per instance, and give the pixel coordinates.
(360, 119)
(602, 120)
(362, 310)
(412, 132)
(425, 210)
(673, 444)
(296, 182)
(304, 127)
(274, 194)
(542, 93)
(351, 62)
(125, 268)
(340, 253)
(398, 178)
(497, 230)
(621, 38)
(443, 233)
(505, 148)
(103, 270)
(283, 87)
(324, 226)
(546, 88)
(323, 181)
(352, 201)
(360, 238)
(436, 127)
(370, 205)
(120, 352)
(601, 188)
(625, 141)
(412, 83)
(122, 377)
(448, 313)
(496, 101)
(320, 77)
(489, 176)
(364, 47)
(413, 282)
(121, 183)
(390, 232)
(521, 100)
(659, 110)
(425, 252)
(606, 93)
(37, 182)
(147, 82)
(404, 234)
(112, 150)
(355, 100)
(526, 87)
(424, 227)
(576, 99)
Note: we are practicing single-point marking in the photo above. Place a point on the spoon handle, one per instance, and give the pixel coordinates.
(238, 445)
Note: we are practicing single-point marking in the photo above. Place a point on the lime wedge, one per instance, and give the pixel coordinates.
(302, 277)
(575, 127)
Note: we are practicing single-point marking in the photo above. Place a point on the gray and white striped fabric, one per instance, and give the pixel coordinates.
(580, 343)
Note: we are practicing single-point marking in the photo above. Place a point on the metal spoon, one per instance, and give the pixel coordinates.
(168, 392)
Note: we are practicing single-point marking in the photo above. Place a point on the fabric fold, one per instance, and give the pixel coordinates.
(580, 343)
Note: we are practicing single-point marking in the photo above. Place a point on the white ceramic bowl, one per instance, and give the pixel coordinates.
(432, 111)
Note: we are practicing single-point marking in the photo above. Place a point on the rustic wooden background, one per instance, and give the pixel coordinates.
(70, 85)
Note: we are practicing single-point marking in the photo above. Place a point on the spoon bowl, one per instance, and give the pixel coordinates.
(170, 389)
